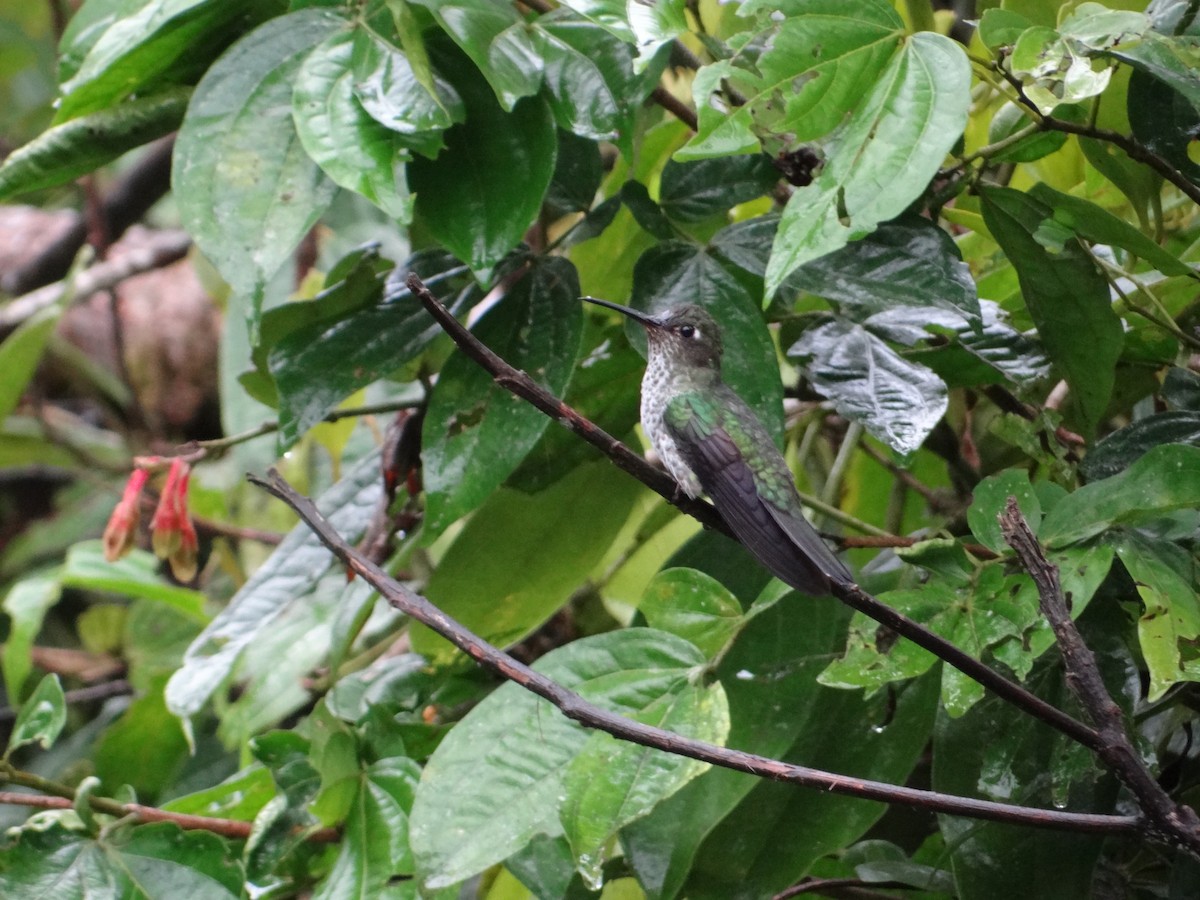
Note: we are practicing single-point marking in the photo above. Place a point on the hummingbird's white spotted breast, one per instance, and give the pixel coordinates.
(658, 387)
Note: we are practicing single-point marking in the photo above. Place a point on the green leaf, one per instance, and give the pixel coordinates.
(612, 783)
(241, 796)
(1181, 389)
(20, 353)
(82, 145)
(26, 604)
(907, 262)
(1170, 623)
(655, 24)
(135, 575)
(1096, 224)
(1163, 121)
(1164, 479)
(695, 191)
(672, 273)
(247, 191)
(520, 556)
(1172, 60)
(476, 433)
(497, 41)
(1013, 117)
(349, 145)
(155, 862)
(989, 499)
(498, 778)
(375, 844)
(779, 831)
(406, 99)
(146, 44)
(323, 361)
(815, 69)
(694, 606)
(1125, 445)
(882, 158)
(1001, 27)
(899, 402)
(1066, 296)
(479, 196)
(283, 581)
(145, 748)
(41, 718)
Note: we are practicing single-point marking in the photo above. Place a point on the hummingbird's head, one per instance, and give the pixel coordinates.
(686, 334)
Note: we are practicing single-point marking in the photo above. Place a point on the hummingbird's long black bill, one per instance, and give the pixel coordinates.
(636, 314)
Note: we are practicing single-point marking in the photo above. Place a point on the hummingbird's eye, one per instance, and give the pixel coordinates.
(687, 331)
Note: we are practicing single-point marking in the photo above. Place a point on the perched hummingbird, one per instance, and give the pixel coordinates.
(712, 442)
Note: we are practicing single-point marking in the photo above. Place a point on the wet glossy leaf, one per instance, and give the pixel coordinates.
(349, 145)
(1066, 296)
(898, 401)
(882, 158)
(907, 262)
(41, 717)
(246, 189)
(1125, 445)
(157, 862)
(476, 433)
(694, 606)
(612, 783)
(587, 71)
(285, 579)
(1164, 479)
(497, 41)
(479, 196)
(323, 361)
(521, 556)
(82, 145)
(816, 68)
(498, 779)
(695, 191)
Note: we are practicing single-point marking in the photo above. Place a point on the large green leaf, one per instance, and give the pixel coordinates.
(283, 581)
(499, 777)
(1125, 445)
(1171, 59)
(155, 862)
(482, 192)
(26, 605)
(695, 191)
(673, 273)
(897, 401)
(82, 145)
(326, 359)
(521, 556)
(477, 433)
(1165, 479)
(246, 189)
(374, 846)
(1066, 296)
(148, 45)
(350, 146)
(816, 67)
(906, 262)
(134, 575)
(882, 158)
(497, 41)
(20, 353)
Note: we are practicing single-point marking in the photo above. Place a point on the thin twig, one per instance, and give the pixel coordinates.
(102, 691)
(1171, 821)
(520, 384)
(164, 248)
(230, 828)
(578, 709)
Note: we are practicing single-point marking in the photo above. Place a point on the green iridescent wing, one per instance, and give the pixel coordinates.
(716, 433)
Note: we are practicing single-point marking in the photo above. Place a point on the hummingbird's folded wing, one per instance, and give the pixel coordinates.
(761, 508)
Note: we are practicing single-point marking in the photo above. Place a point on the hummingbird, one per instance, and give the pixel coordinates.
(711, 442)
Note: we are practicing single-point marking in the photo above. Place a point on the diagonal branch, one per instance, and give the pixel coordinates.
(589, 715)
(1171, 821)
(525, 387)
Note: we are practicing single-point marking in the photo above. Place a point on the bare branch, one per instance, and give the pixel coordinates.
(589, 715)
(1171, 821)
(525, 387)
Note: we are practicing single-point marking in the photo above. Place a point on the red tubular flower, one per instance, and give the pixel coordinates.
(173, 535)
(121, 530)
